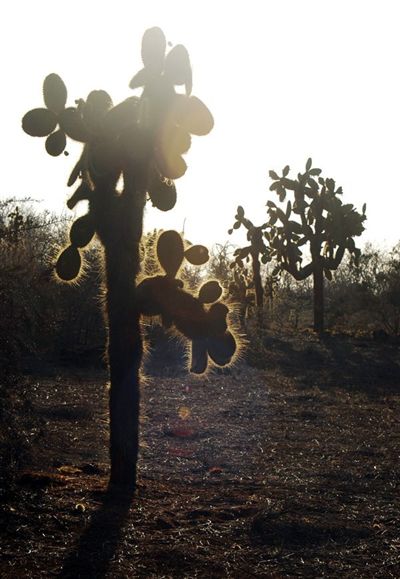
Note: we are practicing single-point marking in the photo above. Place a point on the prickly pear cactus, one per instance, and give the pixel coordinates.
(141, 143)
(316, 217)
(201, 318)
(257, 252)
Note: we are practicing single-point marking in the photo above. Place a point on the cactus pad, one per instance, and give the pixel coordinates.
(197, 255)
(68, 263)
(170, 252)
(199, 356)
(210, 292)
(162, 193)
(55, 143)
(221, 349)
(54, 93)
(154, 45)
(193, 115)
(39, 122)
(177, 67)
(72, 124)
(82, 231)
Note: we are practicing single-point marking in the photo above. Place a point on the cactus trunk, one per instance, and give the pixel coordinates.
(318, 290)
(125, 348)
(124, 353)
(258, 286)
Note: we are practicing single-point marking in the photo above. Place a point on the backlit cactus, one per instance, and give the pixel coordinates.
(240, 292)
(324, 224)
(140, 142)
(165, 296)
(257, 251)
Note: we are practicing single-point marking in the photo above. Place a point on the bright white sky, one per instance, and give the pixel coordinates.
(284, 79)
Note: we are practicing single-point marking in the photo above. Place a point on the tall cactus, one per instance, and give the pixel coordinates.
(323, 223)
(140, 140)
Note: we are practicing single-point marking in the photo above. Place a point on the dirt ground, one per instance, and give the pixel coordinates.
(285, 470)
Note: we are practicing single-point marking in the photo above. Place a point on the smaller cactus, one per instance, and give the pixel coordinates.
(241, 292)
(165, 296)
(257, 251)
(323, 223)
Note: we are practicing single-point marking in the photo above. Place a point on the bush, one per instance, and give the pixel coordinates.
(39, 318)
(363, 299)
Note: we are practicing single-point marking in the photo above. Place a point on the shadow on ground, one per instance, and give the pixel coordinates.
(353, 364)
(273, 531)
(100, 541)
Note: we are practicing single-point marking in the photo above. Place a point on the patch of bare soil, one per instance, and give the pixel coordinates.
(283, 471)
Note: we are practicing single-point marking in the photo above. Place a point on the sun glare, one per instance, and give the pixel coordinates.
(284, 82)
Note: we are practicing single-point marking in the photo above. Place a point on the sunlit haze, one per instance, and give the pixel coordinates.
(284, 80)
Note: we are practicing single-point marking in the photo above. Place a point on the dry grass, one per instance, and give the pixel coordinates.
(285, 471)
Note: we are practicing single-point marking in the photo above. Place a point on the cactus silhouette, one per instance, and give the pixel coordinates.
(323, 223)
(165, 296)
(140, 140)
(239, 292)
(257, 251)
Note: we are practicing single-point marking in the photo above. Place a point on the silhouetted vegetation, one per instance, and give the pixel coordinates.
(315, 226)
(324, 224)
(281, 464)
(44, 322)
(140, 141)
(41, 319)
(255, 252)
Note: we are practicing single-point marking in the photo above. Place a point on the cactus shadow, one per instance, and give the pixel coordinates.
(363, 365)
(99, 542)
(337, 361)
(63, 412)
(299, 534)
(291, 357)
